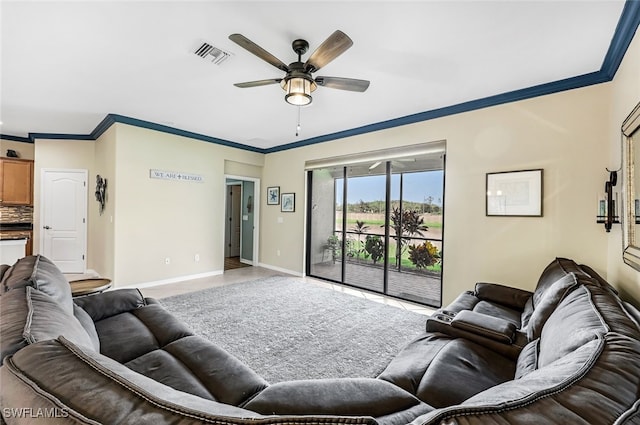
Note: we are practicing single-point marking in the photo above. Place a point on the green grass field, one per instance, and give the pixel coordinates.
(357, 250)
(380, 222)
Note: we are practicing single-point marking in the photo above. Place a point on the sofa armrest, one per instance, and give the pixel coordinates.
(150, 301)
(110, 303)
(502, 294)
(478, 330)
(491, 327)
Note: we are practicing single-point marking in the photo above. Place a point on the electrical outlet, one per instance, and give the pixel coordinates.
(278, 252)
(196, 258)
(167, 260)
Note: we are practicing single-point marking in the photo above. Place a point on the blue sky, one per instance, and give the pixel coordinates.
(416, 187)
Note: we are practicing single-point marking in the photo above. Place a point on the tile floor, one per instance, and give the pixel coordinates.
(237, 276)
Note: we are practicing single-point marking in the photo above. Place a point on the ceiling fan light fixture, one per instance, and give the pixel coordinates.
(298, 90)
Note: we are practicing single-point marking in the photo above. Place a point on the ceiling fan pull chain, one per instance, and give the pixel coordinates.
(298, 126)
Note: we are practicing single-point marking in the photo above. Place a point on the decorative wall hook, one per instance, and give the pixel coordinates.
(611, 217)
(101, 192)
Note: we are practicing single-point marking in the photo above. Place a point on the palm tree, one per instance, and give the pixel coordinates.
(406, 223)
(359, 229)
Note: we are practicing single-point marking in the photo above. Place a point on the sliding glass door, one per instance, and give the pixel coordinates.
(377, 225)
(365, 229)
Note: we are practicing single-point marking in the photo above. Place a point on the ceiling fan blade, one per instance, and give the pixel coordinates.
(331, 48)
(258, 83)
(252, 47)
(350, 84)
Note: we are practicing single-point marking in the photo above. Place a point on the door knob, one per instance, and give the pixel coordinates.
(46, 227)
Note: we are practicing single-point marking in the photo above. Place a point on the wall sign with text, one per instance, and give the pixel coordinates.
(176, 175)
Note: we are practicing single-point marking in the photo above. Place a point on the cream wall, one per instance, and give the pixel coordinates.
(24, 150)
(564, 133)
(147, 220)
(157, 219)
(101, 226)
(625, 94)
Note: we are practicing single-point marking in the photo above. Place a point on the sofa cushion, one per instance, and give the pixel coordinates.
(526, 313)
(488, 326)
(470, 301)
(528, 359)
(469, 368)
(511, 297)
(42, 274)
(573, 323)
(557, 269)
(28, 316)
(196, 366)
(129, 335)
(633, 312)
(111, 303)
(499, 311)
(87, 323)
(345, 396)
(548, 302)
(598, 279)
(3, 270)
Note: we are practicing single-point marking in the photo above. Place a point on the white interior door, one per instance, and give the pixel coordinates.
(63, 234)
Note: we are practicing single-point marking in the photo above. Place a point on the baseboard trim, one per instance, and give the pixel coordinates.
(172, 280)
(280, 269)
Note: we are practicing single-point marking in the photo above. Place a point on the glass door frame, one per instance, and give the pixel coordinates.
(387, 233)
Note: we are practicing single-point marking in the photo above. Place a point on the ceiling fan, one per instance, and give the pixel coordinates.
(298, 82)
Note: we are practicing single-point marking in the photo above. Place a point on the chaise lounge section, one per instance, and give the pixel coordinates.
(571, 356)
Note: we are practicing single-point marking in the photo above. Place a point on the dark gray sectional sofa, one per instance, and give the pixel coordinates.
(567, 353)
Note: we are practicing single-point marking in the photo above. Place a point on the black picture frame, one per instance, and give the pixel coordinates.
(273, 195)
(514, 193)
(288, 203)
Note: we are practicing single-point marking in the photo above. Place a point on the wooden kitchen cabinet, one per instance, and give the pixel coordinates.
(16, 181)
(29, 247)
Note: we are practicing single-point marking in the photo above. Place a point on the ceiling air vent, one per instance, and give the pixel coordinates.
(215, 54)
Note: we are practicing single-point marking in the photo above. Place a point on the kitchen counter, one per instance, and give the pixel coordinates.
(11, 250)
(14, 234)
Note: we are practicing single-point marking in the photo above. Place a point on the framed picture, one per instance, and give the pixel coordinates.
(515, 193)
(273, 195)
(288, 202)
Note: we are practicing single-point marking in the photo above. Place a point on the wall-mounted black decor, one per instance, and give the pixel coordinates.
(607, 213)
(101, 192)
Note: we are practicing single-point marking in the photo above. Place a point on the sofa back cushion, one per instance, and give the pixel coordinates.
(557, 269)
(548, 303)
(42, 274)
(3, 270)
(573, 323)
(88, 325)
(111, 303)
(28, 316)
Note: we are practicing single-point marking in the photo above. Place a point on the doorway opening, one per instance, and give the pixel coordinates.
(241, 217)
